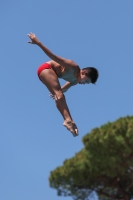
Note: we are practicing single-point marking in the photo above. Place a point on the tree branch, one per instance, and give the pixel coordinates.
(125, 196)
(106, 194)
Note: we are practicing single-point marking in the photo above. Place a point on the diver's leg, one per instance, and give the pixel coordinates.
(50, 79)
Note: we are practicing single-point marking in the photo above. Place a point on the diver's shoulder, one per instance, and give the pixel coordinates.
(74, 64)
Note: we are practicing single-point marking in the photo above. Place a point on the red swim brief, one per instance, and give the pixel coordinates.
(42, 67)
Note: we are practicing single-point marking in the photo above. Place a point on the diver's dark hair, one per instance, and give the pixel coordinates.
(92, 73)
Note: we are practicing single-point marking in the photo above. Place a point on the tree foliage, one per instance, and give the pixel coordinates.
(104, 165)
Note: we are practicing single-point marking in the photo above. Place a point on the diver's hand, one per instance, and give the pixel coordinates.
(33, 38)
(51, 96)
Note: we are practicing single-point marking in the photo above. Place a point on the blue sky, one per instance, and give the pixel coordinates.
(33, 141)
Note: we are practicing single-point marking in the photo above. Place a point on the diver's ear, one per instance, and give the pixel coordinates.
(84, 72)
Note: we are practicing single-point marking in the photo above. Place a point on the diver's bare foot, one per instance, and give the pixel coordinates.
(71, 126)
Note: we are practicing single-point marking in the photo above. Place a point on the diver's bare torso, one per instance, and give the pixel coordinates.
(69, 74)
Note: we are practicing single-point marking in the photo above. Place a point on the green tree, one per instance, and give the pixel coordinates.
(104, 165)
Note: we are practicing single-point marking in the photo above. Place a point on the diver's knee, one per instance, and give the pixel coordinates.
(58, 95)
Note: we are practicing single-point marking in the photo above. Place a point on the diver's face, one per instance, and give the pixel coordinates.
(83, 79)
